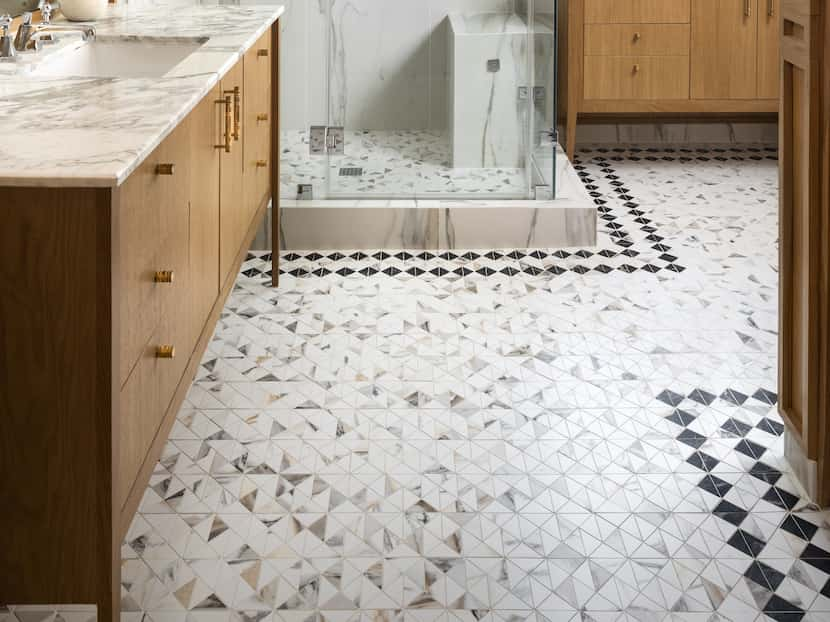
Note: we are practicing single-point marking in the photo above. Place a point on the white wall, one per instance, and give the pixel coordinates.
(389, 61)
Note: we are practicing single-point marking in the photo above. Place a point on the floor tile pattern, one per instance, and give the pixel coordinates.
(399, 163)
(502, 443)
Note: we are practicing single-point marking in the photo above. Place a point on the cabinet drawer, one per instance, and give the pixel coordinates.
(257, 68)
(636, 77)
(140, 416)
(637, 11)
(637, 39)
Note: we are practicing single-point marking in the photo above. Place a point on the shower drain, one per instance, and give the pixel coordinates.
(351, 171)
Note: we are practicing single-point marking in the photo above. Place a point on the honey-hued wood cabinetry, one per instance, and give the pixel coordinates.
(670, 57)
(109, 299)
(724, 49)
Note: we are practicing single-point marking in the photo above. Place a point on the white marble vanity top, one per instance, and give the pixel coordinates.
(93, 132)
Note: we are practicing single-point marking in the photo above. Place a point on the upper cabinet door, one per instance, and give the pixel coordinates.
(769, 48)
(724, 49)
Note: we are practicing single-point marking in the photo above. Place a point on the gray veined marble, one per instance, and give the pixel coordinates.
(95, 131)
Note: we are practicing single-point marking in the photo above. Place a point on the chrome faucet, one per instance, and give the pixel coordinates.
(30, 36)
(6, 46)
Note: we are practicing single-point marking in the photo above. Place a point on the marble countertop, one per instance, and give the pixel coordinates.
(93, 132)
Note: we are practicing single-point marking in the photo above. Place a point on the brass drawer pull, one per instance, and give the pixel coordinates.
(261, 163)
(262, 53)
(637, 37)
(635, 69)
(237, 111)
(164, 276)
(747, 8)
(226, 101)
(262, 116)
(165, 352)
(771, 8)
(165, 169)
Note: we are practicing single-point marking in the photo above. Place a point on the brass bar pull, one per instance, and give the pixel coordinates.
(237, 111)
(261, 163)
(164, 276)
(262, 53)
(262, 116)
(228, 121)
(165, 352)
(771, 8)
(748, 8)
(165, 169)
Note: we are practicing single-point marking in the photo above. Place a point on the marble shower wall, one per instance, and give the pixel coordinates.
(388, 58)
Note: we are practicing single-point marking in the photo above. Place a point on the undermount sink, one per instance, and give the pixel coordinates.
(118, 58)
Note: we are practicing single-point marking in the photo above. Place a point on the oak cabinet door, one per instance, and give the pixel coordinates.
(769, 49)
(724, 49)
(205, 135)
(231, 188)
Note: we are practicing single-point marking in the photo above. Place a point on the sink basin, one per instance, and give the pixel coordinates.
(118, 58)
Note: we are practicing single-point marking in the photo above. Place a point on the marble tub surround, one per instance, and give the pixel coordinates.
(94, 132)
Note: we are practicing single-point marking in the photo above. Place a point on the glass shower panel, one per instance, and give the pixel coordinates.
(436, 98)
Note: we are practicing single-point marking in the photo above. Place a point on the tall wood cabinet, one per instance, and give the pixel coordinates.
(109, 299)
(670, 57)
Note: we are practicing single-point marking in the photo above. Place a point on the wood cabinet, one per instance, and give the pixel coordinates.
(804, 335)
(671, 57)
(724, 49)
(231, 208)
(110, 297)
(769, 49)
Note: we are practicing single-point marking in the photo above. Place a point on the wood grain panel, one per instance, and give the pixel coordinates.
(56, 398)
(139, 233)
(769, 49)
(257, 178)
(637, 11)
(636, 77)
(724, 49)
(231, 197)
(204, 206)
(637, 39)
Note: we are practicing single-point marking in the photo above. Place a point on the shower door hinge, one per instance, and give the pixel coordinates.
(327, 140)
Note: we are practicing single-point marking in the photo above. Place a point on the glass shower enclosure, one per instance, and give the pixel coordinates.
(419, 99)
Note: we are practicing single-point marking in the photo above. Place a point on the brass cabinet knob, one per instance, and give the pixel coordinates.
(262, 52)
(165, 352)
(164, 276)
(636, 69)
(261, 163)
(637, 37)
(165, 169)
(262, 116)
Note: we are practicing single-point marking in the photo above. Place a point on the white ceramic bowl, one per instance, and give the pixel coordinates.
(83, 10)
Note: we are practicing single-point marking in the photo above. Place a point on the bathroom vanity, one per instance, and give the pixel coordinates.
(671, 57)
(128, 203)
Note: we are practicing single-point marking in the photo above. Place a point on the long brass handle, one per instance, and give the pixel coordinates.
(228, 121)
(771, 8)
(262, 53)
(165, 169)
(748, 8)
(261, 163)
(237, 111)
(262, 116)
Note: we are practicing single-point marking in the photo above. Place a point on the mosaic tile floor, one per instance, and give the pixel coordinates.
(499, 436)
(402, 163)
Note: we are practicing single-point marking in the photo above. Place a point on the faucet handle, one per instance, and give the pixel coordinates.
(5, 24)
(45, 11)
